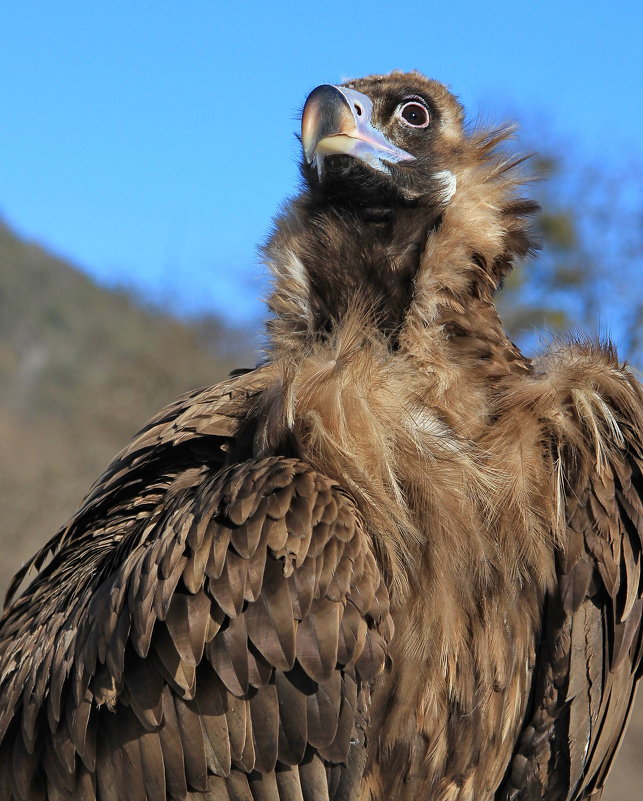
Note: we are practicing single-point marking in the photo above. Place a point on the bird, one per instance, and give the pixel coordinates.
(398, 559)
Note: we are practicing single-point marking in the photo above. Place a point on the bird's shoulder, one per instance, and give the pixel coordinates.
(198, 624)
(588, 408)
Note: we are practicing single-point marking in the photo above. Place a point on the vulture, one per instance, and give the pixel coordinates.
(397, 560)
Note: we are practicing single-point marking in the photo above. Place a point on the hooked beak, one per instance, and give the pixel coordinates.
(338, 120)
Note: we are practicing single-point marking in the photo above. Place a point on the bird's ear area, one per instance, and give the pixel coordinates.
(234, 645)
(486, 212)
(593, 650)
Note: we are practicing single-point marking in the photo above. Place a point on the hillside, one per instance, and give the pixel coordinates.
(81, 369)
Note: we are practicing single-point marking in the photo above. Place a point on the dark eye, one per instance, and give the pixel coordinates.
(414, 114)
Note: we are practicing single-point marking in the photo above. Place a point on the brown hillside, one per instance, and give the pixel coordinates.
(81, 369)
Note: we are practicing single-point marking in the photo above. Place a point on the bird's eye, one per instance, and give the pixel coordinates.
(413, 114)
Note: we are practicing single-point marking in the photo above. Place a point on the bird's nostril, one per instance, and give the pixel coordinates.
(358, 109)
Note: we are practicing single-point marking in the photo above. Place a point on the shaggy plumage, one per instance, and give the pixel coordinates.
(397, 561)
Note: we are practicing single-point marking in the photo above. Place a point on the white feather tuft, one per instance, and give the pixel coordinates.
(449, 183)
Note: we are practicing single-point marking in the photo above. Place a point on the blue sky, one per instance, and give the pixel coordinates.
(152, 142)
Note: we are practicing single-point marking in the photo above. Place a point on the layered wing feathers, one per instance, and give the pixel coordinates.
(592, 642)
(218, 639)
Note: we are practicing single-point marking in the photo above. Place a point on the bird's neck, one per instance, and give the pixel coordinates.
(419, 279)
(329, 261)
(386, 344)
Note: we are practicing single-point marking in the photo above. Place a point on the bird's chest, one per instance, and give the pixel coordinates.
(446, 716)
(447, 527)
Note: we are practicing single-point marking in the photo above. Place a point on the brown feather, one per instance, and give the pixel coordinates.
(399, 560)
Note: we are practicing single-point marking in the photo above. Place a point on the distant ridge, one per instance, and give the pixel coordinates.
(81, 369)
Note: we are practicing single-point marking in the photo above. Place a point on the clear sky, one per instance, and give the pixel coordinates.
(152, 142)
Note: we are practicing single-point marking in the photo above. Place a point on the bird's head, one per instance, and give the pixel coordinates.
(382, 139)
(404, 212)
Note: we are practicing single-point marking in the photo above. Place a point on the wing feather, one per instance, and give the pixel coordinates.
(207, 638)
(590, 653)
